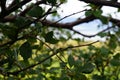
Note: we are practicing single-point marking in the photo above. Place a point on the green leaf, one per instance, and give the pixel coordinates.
(19, 21)
(49, 38)
(78, 63)
(103, 19)
(25, 50)
(116, 60)
(88, 13)
(54, 70)
(98, 60)
(103, 34)
(64, 78)
(32, 40)
(63, 1)
(98, 77)
(10, 78)
(63, 64)
(36, 11)
(88, 68)
(118, 10)
(10, 57)
(3, 61)
(71, 60)
(113, 42)
(47, 62)
(38, 27)
(53, 2)
(104, 51)
(97, 13)
(80, 77)
(9, 31)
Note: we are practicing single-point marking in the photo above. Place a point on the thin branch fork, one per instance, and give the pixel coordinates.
(54, 53)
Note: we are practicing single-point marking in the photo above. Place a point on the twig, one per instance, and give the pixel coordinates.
(89, 36)
(69, 16)
(54, 53)
(71, 47)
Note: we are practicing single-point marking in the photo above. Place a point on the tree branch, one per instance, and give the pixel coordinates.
(70, 15)
(25, 26)
(68, 25)
(3, 6)
(13, 8)
(89, 36)
(103, 2)
(54, 53)
(71, 24)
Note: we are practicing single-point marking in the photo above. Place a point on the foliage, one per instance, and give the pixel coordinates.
(35, 48)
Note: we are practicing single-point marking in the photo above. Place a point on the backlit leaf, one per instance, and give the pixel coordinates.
(88, 68)
(25, 50)
(36, 11)
(104, 20)
(116, 60)
(113, 42)
(49, 38)
(71, 60)
(97, 13)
